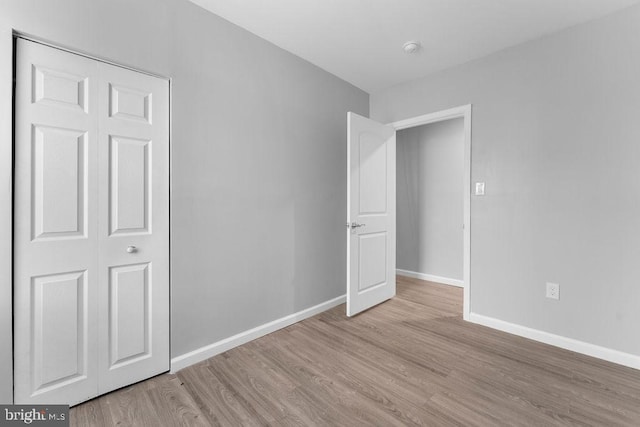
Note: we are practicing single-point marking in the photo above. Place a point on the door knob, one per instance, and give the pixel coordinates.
(132, 249)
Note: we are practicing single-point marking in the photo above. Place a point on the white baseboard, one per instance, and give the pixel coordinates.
(203, 353)
(431, 278)
(614, 356)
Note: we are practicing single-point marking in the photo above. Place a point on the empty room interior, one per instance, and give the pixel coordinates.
(314, 212)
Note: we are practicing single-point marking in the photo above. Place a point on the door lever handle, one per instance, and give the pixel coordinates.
(355, 225)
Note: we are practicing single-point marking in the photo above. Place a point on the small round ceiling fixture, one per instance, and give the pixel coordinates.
(411, 47)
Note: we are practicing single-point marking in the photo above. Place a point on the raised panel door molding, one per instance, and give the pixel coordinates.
(60, 89)
(59, 186)
(130, 104)
(373, 159)
(59, 333)
(129, 313)
(129, 185)
(373, 260)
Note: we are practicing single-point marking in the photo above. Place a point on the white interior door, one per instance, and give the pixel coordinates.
(89, 316)
(371, 213)
(55, 227)
(133, 158)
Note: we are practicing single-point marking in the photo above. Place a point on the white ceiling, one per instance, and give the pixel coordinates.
(361, 41)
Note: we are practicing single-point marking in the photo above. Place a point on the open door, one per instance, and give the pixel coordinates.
(371, 213)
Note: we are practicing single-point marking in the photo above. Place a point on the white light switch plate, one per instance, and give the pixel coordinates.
(479, 189)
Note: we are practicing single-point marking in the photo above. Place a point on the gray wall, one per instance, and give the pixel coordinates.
(258, 152)
(556, 137)
(430, 167)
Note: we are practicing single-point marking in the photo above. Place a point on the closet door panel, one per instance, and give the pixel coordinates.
(55, 226)
(133, 226)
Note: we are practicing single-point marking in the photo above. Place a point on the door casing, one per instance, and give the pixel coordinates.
(6, 214)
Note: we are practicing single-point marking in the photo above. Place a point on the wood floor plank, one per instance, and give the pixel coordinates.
(174, 404)
(346, 405)
(217, 401)
(388, 394)
(88, 414)
(409, 361)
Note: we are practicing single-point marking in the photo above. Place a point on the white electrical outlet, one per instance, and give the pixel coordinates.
(479, 191)
(553, 290)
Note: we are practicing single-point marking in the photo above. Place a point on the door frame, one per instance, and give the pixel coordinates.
(7, 113)
(6, 214)
(464, 112)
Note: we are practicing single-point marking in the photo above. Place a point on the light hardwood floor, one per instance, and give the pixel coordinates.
(409, 361)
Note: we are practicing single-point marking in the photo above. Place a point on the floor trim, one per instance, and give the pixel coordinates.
(431, 278)
(203, 353)
(614, 356)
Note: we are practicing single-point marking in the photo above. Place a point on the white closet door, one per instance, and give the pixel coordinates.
(91, 226)
(133, 226)
(55, 226)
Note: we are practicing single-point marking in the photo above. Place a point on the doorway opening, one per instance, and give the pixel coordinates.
(433, 178)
